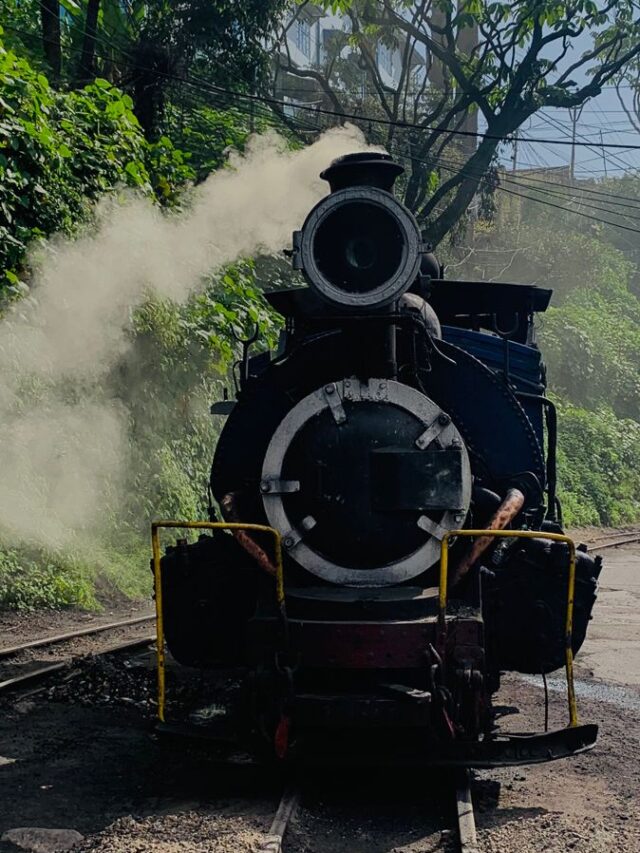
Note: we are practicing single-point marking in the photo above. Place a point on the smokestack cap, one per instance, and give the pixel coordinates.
(367, 168)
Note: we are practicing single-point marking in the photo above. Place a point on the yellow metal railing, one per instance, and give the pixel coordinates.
(519, 534)
(157, 578)
(280, 593)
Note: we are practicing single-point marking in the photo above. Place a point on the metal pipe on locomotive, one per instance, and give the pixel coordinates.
(402, 415)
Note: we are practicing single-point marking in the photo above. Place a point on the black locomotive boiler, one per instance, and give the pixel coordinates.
(400, 411)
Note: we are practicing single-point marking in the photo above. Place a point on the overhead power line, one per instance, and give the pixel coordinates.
(266, 99)
(223, 93)
(557, 190)
(398, 123)
(541, 201)
(596, 148)
(447, 165)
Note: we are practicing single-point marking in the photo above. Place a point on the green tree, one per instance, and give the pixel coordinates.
(145, 45)
(458, 58)
(59, 152)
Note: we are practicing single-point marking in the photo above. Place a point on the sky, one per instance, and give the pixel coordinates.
(602, 119)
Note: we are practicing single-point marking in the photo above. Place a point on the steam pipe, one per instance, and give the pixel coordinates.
(506, 512)
(252, 548)
(392, 359)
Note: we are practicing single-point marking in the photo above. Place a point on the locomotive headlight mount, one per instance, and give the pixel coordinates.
(359, 248)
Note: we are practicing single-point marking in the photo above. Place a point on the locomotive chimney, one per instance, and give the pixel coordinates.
(370, 169)
(360, 248)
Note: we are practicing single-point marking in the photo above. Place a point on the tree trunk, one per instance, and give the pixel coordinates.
(50, 17)
(150, 70)
(437, 71)
(467, 42)
(86, 66)
(474, 169)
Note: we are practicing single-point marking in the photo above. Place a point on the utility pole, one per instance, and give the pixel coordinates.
(574, 114)
(604, 157)
(515, 150)
(467, 42)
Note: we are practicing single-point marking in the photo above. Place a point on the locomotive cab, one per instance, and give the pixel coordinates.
(402, 412)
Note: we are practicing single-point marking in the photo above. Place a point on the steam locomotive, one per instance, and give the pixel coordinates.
(400, 410)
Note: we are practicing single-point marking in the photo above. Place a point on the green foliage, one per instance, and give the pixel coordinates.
(149, 46)
(593, 350)
(169, 170)
(59, 152)
(36, 579)
(590, 341)
(207, 134)
(560, 256)
(180, 362)
(22, 30)
(598, 466)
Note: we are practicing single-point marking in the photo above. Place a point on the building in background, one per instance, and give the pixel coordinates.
(317, 65)
(315, 55)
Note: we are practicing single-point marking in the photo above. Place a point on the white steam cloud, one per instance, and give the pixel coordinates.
(63, 445)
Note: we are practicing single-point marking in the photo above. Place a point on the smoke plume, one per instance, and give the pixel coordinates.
(64, 442)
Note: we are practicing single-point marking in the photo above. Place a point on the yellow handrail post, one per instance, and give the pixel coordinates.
(518, 534)
(157, 585)
(156, 526)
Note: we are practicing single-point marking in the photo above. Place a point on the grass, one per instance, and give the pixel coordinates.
(34, 578)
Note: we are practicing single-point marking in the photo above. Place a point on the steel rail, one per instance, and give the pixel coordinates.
(286, 810)
(613, 543)
(8, 651)
(36, 675)
(465, 819)
(467, 838)
(31, 677)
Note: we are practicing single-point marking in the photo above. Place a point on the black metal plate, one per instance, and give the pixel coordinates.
(409, 748)
(404, 480)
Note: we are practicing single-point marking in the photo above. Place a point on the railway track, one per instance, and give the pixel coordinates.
(32, 676)
(10, 651)
(623, 539)
(275, 841)
(289, 803)
(287, 808)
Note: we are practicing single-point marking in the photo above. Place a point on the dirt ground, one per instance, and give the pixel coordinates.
(612, 650)
(96, 767)
(590, 803)
(20, 627)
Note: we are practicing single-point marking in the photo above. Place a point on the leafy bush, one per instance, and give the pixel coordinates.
(593, 352)
(30, 580)
(599, 475)
(179, 364)
(59, 152)
(209, 133)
